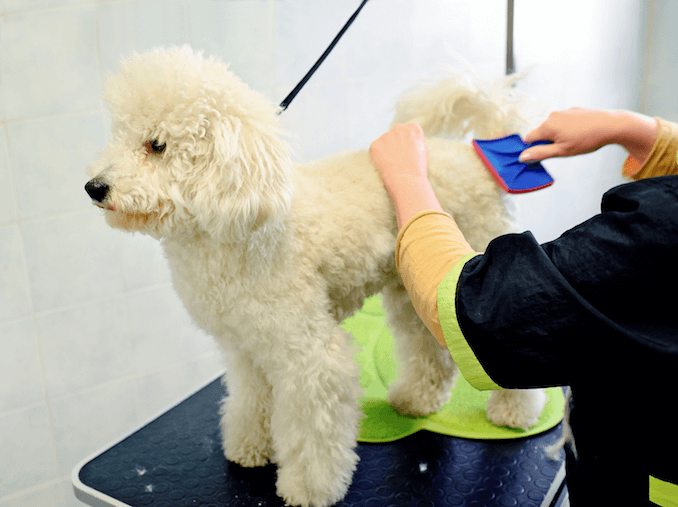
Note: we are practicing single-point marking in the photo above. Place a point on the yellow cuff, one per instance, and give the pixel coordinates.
(662, 160)
(461, 351)
(631, 166)
(663, 493)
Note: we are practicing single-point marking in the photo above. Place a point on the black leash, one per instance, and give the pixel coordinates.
(293, 93)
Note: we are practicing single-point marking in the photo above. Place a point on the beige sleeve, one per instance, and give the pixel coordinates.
(428, 246)
(662, 158)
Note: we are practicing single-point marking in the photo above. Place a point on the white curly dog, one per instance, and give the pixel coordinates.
(270, 257)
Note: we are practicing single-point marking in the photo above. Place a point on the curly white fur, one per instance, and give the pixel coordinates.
(269, 257)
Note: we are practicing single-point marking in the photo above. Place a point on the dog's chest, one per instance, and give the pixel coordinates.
(210, 284)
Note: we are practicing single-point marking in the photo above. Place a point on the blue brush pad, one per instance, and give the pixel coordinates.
(176, 461)
(500, 156)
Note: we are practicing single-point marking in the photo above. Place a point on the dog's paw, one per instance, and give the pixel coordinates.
(418, 401)
(247, 454)
(516, 408)
(295, 490)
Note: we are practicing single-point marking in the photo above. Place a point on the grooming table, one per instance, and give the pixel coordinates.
(176, 460)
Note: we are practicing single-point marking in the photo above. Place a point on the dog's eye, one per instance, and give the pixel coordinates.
(155, 147)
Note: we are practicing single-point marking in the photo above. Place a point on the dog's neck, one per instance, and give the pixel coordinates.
(258, 255)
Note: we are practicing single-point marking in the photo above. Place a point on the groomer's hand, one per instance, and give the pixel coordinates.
(401, 155)
(574, 132)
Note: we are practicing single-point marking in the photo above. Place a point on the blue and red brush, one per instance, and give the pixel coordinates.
(500, 156)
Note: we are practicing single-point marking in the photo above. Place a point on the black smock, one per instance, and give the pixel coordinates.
(596, 310)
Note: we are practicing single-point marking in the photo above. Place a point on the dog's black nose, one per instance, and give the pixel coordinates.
(97, 190)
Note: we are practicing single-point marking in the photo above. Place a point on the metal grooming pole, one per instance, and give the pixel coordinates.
(510, 62)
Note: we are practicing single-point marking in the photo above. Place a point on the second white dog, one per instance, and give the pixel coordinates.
(270, 257)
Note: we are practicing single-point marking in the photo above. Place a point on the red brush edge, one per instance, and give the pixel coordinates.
(500, 157)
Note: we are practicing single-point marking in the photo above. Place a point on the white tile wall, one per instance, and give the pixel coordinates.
(85, 345)
(125, 27)
(71, 259)
(242, 33)
(8, 212)
(49, 494)
(89, 322)
(82, 422)
(20, 359)
(49, 62)
(28, 457)
(14, 292)
(48, 155)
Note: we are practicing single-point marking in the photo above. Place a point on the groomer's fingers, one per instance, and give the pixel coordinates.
(533, 135)
(544, 132)
(541, 152)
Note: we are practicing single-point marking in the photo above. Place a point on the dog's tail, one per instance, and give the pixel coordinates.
(457, 105)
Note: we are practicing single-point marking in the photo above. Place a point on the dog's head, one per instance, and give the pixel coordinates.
(194, 151)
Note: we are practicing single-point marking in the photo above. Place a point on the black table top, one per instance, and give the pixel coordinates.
(177, 460)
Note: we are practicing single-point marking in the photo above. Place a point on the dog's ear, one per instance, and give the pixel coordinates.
(245, 182)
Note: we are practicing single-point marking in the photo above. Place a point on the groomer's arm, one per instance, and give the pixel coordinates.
(429, 242)
(411, 195)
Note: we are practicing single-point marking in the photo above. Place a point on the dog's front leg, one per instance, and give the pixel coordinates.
(316, 386)
(245, 413)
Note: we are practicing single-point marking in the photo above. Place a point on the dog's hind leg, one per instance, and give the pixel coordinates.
(315, 423)
(426, 370)
(516, 408)
(245, 413)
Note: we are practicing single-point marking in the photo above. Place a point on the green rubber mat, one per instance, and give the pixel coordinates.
(463, 416)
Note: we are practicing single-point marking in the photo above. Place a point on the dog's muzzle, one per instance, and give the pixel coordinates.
(98, 190)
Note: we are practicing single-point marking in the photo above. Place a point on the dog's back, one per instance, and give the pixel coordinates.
(346, 222)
